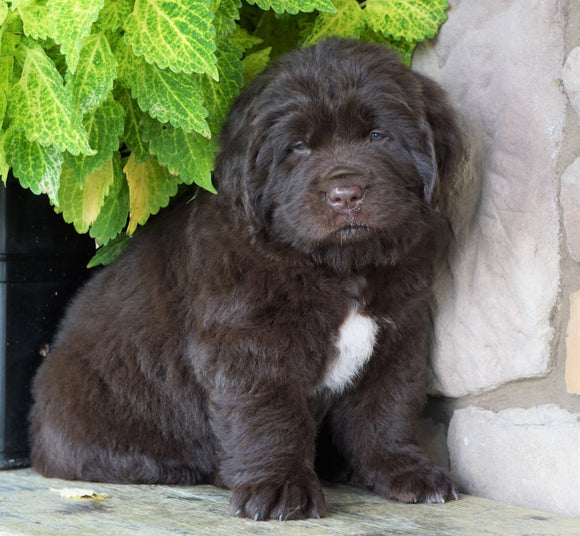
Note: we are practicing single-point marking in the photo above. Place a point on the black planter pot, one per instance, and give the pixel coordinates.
(42, 263)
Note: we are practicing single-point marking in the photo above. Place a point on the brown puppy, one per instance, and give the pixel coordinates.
(293, 305)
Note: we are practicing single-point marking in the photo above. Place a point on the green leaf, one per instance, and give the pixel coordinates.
(190, 156)
(39, 104)
(4, 88)
(412, 20)
(3, 11)
(282, 32)
(225, 16)
(113, 15)
(70, 23)
(255, 63)
(126, 60)
(133, 127)
(218, 96)
(404, 48)
(36, 167)
(170, 97)
(6, 72)
(150, 188)
(294, 6)
(35, 19)
(10, 40)
(115, 211)
(104, 125)
(4, 167)
(177, 34)
(348, 21)
(245, 40)
(93, 80)
(3, 106)
(81, 203)
(107, 254)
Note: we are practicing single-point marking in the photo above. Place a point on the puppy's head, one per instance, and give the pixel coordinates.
(338, 146)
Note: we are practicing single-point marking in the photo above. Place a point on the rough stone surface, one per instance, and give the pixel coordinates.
(501, 63)
(573, 346)
(570, 200)
(35, 506)
(571, 78)
(524, 457)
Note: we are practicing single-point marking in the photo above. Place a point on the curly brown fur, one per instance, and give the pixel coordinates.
(292, 306)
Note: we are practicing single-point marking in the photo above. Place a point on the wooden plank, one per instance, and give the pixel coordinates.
(33, 506)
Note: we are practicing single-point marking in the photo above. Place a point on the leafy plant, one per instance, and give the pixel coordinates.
(108, 106)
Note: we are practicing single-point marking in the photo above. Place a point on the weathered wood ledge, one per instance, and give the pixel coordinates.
(31, 505)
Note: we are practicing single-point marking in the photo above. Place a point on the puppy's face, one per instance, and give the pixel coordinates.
(337, 148)
(342, 169)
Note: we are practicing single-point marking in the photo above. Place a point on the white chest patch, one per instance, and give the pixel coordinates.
(356, 340)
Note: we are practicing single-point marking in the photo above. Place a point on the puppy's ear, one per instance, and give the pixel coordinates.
(443, 137)
(235, 161)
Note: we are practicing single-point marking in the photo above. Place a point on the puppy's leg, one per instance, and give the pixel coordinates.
(267, 435)
(54, 457)
(87, 426)
(374, 428)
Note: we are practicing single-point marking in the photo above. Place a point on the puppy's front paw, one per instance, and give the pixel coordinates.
(296, 498)
(413, 482)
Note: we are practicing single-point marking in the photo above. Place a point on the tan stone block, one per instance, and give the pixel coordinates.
(571, 78)
(573, 346)
(529, 457)
(570, 200)
(496, 291)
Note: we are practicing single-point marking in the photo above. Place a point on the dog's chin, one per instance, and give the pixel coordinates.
(343, 234)
(314, 237)
(350, 234)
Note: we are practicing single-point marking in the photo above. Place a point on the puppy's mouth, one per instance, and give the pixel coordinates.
(352, 232)
(349, 225)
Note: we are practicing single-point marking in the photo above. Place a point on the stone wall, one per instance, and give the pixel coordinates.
(506, 355)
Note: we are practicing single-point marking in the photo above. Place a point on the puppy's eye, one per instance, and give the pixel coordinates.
(300, 147)
(375, 135)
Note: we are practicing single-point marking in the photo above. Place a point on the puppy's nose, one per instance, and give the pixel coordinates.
(345, 197)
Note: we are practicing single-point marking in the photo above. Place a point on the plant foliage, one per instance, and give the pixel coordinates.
(108, 106)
